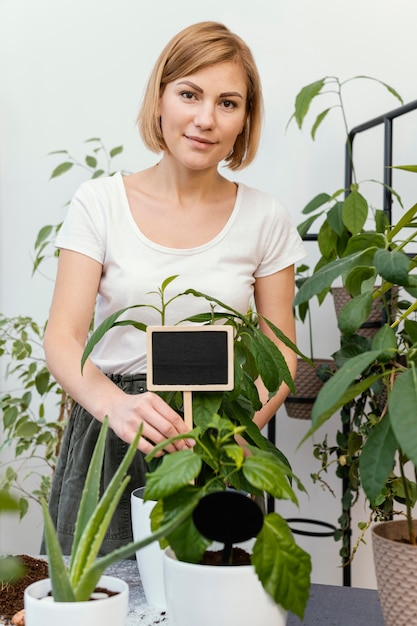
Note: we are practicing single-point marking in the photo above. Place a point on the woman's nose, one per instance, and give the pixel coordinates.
(204, 117)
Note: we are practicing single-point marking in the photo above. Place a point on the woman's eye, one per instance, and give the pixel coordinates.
(187, 95)
(229, 104)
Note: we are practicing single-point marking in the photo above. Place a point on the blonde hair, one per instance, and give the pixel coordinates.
(192, 49)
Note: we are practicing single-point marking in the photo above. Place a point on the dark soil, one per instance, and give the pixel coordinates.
(11, 594)
(239, 557)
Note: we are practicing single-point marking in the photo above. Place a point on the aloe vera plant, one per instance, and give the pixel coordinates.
(76, 581)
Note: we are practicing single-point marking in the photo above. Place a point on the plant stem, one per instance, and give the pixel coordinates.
(411, 533)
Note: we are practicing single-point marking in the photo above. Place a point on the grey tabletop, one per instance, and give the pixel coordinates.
(328, 605)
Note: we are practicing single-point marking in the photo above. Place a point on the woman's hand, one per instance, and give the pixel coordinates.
(159, 421)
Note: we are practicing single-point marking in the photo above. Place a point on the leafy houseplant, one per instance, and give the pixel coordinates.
(216, 461)
(375, 383)
(32, 439)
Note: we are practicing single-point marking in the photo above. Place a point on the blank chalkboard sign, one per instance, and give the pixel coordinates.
(190, 358)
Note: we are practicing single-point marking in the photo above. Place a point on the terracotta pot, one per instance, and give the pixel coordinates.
(395, 563)
(150, 558)
(307, 385)
(207, 595)
(110, 611)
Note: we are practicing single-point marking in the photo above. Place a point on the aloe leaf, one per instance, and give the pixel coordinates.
(61, 585)
(110, 497)
(91, 576)
(377, 458)
(283, 567)
(91, 490)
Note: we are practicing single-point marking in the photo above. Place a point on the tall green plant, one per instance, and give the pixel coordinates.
(31, 438)
(374, 387)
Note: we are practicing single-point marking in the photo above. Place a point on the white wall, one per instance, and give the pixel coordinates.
(74, 69)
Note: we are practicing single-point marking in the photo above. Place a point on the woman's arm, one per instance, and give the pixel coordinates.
(71, 312)
(273, 298)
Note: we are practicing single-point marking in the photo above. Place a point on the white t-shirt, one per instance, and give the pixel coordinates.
(257, 240)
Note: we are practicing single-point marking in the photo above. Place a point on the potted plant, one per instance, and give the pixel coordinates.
(216, 462)
(351, 233)
(376, 383)
(65, 597)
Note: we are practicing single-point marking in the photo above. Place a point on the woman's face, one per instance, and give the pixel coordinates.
(203, 113)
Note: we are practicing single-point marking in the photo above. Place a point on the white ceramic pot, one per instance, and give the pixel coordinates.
(208, 595)
(149, 559)
(110, 611)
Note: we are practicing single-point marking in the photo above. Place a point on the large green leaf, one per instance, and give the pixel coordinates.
(377, 458)
(266, 472)
(325, 277)
(393, 266)
(282, 566)
(338, 390)
(355, 313)
(176, 471)
(355, 212)
(402, 405)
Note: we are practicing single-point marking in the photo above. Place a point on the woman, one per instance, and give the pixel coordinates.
(125, 234)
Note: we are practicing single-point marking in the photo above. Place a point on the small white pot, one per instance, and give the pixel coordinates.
(149, 559)
(224, 595)
(111, 611)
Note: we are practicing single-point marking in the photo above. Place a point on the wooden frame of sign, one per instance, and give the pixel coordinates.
(190, 358)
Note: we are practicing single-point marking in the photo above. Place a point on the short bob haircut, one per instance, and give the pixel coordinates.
(191, 50)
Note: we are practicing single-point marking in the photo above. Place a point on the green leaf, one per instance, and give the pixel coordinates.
(91, 490)
(61, 586)
(324, 278)
(337, 391)
(377, 458)
(393, 266)
(105, 326)
(355, 313)
(283, 568)
(315, 203)
(355, 212)
(356, 277)
(62, 169)
(91, 161)
(265, 472)
(304, 98)
(27, 429)
(176, 471)
(319, 119)
(115, 151)
(205, 405)
(402, 404)
(408, 168)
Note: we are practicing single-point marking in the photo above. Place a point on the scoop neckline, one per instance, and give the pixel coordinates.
(179, 251)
